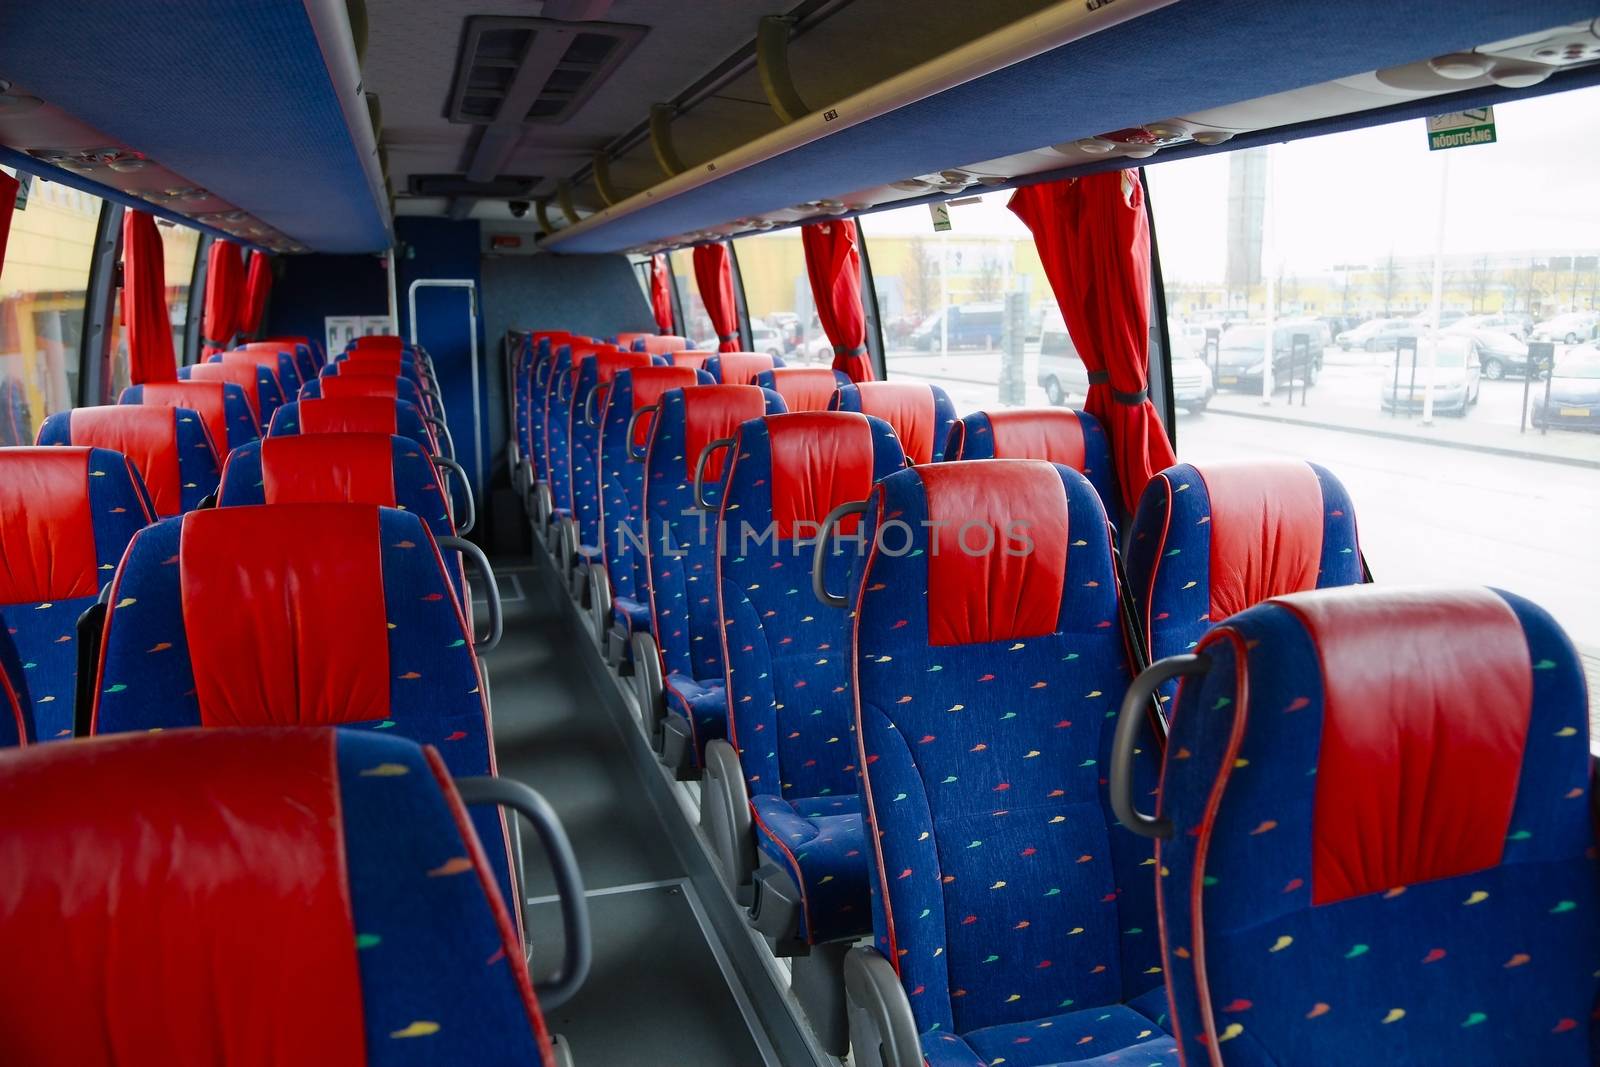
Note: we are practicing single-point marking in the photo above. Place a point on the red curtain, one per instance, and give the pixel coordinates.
(144, 301)
(661, 293)
(258, 283)
(1094, 243)
(713, 274)
(8, 202)
(834, 264)
(224, 296)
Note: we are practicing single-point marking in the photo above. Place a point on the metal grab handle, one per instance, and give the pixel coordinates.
(1136, 707)
(491, 591)
(451, 466)
(700, 471)
(820, 554)
(588, 406)
(444, 433)
(577, 947)
(541, 373)
(633, 422)
(564, 387)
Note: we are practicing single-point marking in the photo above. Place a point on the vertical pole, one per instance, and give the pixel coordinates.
(394, 296)
(1269, 272)
(1437, 307)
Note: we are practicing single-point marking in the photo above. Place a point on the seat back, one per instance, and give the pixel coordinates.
(66, 517)
(680, 540)
(169, 447)
(376, 364)
(1383, 838)
(921, 414)
(318, 356)
(1056, 435)
(259, 383)
(222, 406)
(595, 372)
(535, 385)
(691, 358)
(563, 379)
(989, 665)
(353, 414)
(312, 896)
(632, 395)
(386, 342)
(359, 383)
(305, 364)
(804, 388)
(657, 344)
(786, 656)
(283, 364)
(739, 368)
(1210, 540)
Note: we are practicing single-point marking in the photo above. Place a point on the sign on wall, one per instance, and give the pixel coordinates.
(340, 330)
(1458, 129)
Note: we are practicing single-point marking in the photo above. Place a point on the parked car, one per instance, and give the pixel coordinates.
(1514, 325)
(1454, 374)
(1376, 335)
(1499, 353)
(1063, 376)
(961, 326)
(1241, 357)
(1192, 384)
(1571, 328)
(1574, 398)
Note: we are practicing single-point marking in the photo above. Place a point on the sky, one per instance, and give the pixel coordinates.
(1356, 197)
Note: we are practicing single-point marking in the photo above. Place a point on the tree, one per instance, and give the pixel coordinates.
(986, 286)
(922, 278)
(1478, 279)
(1389, 282)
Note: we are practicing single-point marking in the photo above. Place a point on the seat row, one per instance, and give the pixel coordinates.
(219, 645)
(900, 681)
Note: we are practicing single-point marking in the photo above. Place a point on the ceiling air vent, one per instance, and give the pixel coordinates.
(519, 70)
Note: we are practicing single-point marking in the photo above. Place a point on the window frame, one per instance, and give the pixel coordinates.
(741, 310)
(99, 303)
(876, 349)
(195, 314)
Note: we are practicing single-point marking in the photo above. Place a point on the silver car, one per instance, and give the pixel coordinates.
(1454, 376)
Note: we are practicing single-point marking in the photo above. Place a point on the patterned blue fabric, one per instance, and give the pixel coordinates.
(848, 398)
(974, 439)
(541, 367)
(787, 671)
(1487, 969)
(236, 410)
(147, 681)
(521, 391)
(1169, 556)
(406, 390)
(680, 553)
(289, 377)
(197, 461)
(39, 640)
(268, 396)
(1004, 891)
(436, 983)
(558, 429)
(407, 418)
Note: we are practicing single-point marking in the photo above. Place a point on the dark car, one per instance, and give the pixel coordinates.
(1241, 355)
(1574, 397)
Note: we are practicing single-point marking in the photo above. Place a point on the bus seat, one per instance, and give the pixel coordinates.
(305, 364)
(220, 896)
(560, 406)
(1210, 540)
(804, 388)
(678, 668)
(1382, 837)
(1057, 435)
(66, 517)
(169, 447)
(318, 356)
(259, 383)
(920, 414)
(1018, 915)
(221, 405)
(283, 364)
(789, 666)
(358, 384)
(594, 377)
(15, 723)
(740, 368)
(354, 414)
(621, 605)
(657, 344)
(691, 358)
(533, 391)
(376, 363)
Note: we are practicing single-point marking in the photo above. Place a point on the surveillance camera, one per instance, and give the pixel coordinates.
(519, 208)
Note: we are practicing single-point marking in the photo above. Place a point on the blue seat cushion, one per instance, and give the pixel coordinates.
(1090, 1037)
(634, 614)
(703, 705)
(821, 842)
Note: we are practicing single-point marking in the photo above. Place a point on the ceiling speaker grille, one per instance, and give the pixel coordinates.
(527, 70)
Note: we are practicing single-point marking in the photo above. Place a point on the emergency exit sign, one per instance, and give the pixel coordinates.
(1458, 129)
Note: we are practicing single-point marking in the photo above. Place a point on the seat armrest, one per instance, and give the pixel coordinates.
(725, 817)
(883, 1032)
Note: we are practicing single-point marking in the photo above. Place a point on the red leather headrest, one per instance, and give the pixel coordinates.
(695, 360)
(805, 388)
(240, 374)
(1049, 434)
(1266, 531)
(909, 408)
(712, 412)
(649, 383)
(387, 340)
(607, 364)
(178, 898)
(205, 399)
(656, 344)
(148, 436)
(997, 561)
(741, 368)
(47, 549)
(262, 358)
(820, 459)
(348, 414)
(357, 384)
(328, 468)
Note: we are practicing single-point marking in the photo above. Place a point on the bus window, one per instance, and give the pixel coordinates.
(777, 292)
(942, 300)
(1465, 471)
(697, 325)
(178, 245)
(43, 288)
